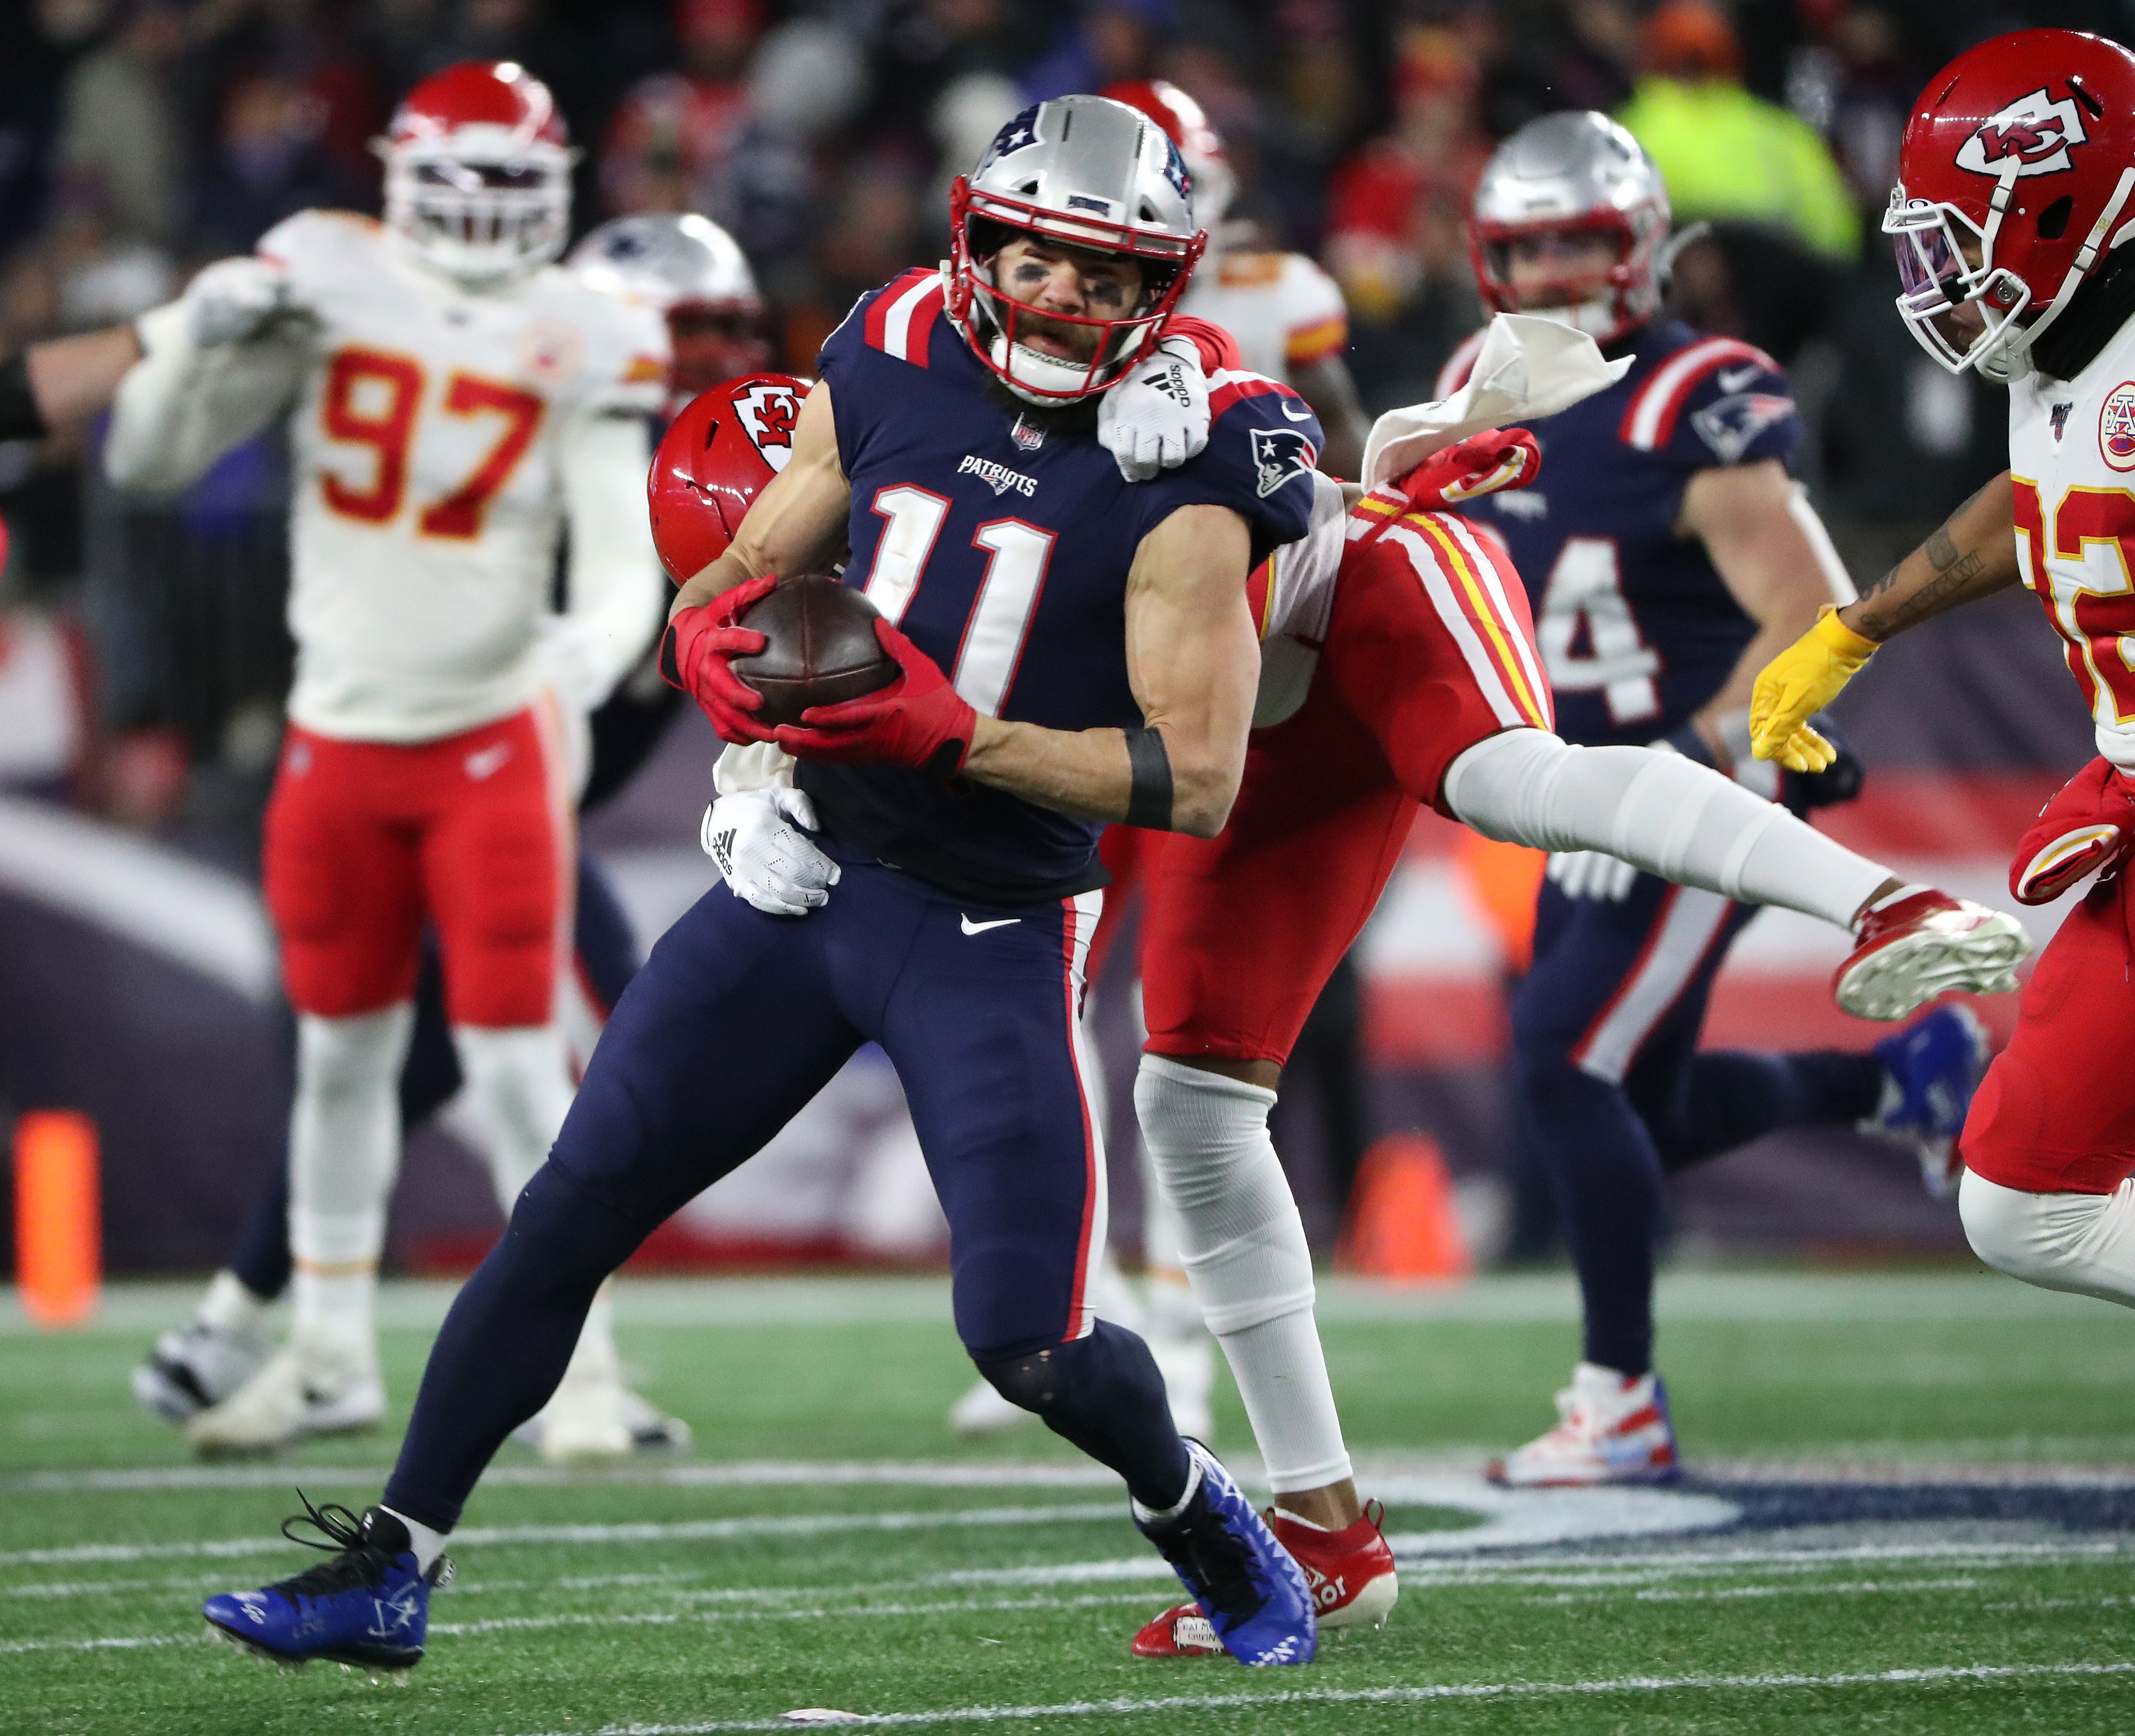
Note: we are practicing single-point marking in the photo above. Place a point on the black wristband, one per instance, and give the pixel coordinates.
(19, 419)
(1149, 796)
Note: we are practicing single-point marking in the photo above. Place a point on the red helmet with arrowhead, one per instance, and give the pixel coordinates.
(478, 172)
(2015, 180)
(1186, 122)
(712, 461)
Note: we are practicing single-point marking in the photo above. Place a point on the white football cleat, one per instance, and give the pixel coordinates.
(982, 1411)
(1611, 1428)
(314, 1386)
(194, 1366)
(1188, 1364)
(1917, 943)
(598, 1421)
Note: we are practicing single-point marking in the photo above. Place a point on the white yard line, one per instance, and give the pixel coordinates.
(1930, 1675)
(742, 1474)
(693, 1530)
(1724, 1593)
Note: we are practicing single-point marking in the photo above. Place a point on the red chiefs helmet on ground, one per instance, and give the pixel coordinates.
(1187, 124)
(713, 463)
(2014, 181)
(478, 172)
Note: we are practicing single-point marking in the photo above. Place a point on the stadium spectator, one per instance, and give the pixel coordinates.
(1724, 153)
(122, 128)
(674, 135)
(269, 162)
(1396, 222)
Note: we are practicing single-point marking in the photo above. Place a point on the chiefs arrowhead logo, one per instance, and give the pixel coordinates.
(2036, 131)
(767, 414)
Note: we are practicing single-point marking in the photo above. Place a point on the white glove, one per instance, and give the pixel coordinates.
(575, 659)
(1590, 874)
(1157, 416)
(234, 300)
(760, 840)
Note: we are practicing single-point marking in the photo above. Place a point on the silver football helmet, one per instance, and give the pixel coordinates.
(695, 273)
(1573, 174)
(1089, 173)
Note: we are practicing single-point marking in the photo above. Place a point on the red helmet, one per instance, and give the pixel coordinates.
(2013, 183)
(478, 172)
(712, 461)
(1186, 122)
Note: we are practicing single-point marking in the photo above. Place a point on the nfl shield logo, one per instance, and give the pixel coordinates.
(1027, 434)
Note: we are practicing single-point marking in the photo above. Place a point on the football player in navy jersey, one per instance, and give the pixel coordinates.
(1669, 554)
(1073, 648)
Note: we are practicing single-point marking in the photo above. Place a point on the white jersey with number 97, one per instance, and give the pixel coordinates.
(2072, 469)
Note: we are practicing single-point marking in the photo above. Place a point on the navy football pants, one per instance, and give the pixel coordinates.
(604, 955)
(735, 1021)
(1617, 1096)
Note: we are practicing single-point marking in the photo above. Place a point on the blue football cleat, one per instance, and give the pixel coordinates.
(1930, 1069)
(1254, 1594)
(369, 1607)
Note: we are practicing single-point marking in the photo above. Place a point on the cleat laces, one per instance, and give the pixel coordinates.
(1219, 1561)
(358, 1559)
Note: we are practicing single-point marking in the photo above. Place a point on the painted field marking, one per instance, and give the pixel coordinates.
(744, 1474)
(1930, 1675)
(692, 1530)
(1723, 1594)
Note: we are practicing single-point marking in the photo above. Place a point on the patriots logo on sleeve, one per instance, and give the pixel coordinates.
(1278, 454)
(1730, 425)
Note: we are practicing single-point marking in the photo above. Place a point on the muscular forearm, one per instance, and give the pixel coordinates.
(1088, 774)
(1973, 555)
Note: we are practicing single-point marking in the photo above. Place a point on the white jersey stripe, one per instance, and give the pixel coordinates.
(897, 323)
(1438, 588)
(1689, 923)
(1661, 395)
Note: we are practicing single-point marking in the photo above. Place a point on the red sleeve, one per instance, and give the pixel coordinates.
(1218, 349)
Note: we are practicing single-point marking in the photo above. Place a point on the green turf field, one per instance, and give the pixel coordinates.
(1917, 1513)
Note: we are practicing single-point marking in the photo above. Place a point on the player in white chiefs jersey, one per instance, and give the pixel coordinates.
(2013, 220)
(454, 402)
(1286, 314)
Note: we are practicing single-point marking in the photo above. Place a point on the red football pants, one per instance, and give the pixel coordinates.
(367, 841)
(1428, 650)
(2056, 1111)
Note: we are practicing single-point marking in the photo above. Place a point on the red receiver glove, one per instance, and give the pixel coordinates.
(2086, 828)
(919, 721)
(1218, 349)
(1481, 464)
(693, 656)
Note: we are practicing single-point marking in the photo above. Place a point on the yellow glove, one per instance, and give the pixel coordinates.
(1804, 678)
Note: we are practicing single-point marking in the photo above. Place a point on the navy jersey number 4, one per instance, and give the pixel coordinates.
(1001, 545)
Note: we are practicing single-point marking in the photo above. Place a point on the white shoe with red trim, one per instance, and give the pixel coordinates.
(1612, 1428)
(1351, 1572)
(1916, 943)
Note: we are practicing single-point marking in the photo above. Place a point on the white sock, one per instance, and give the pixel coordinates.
(344, 1151)
(1243, 1244)
(519, 1082)
(2080, 1242)
(428, 1543)
(1662, 812)
(228, 1306)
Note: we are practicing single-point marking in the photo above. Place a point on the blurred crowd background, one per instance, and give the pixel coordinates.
(142, 654)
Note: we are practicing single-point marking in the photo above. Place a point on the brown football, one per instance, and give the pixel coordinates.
(822, 648)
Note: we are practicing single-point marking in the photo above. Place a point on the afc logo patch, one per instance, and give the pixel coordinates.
(2039, 132)
(2116, 427)
(767, 414)
(1279, 454)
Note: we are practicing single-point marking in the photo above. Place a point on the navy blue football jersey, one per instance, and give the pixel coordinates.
(1001, 545)
(1635, 628)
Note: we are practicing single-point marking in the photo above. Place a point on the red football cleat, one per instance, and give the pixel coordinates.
(1917, 943)
(1351, 1572)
